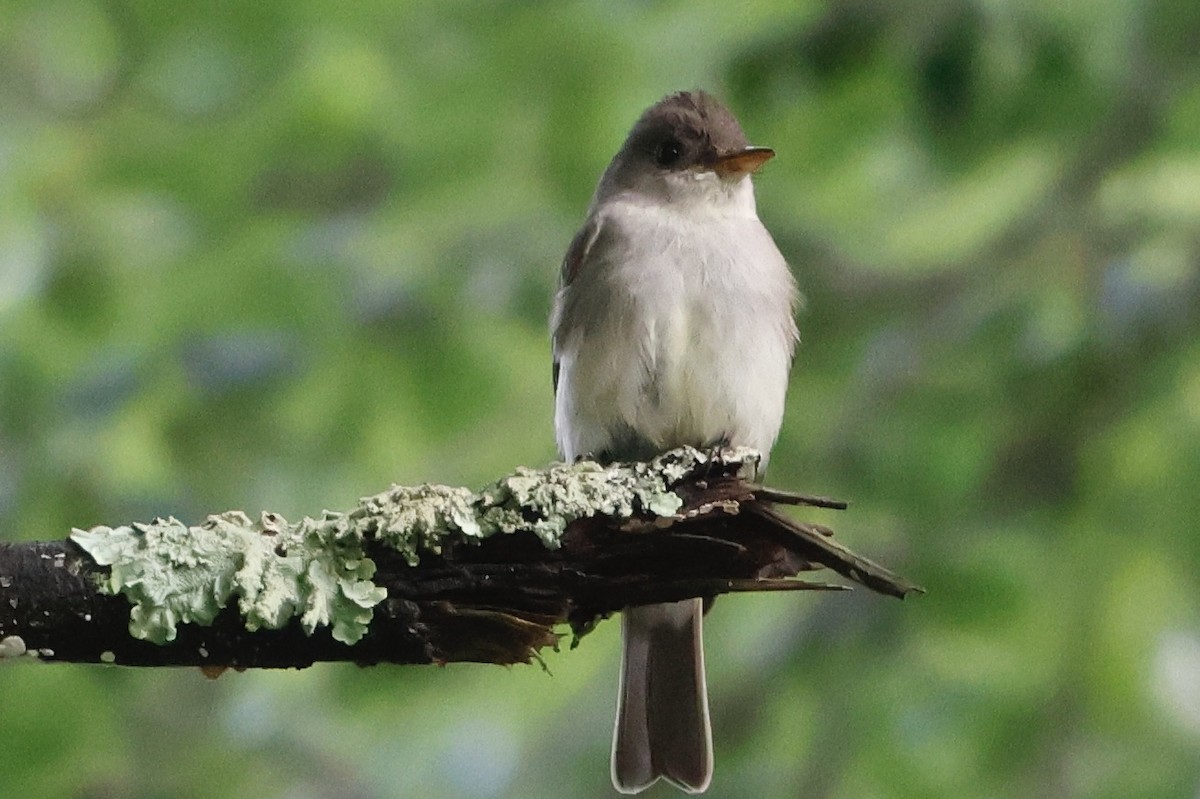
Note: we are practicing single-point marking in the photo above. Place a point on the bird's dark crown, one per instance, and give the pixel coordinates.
(685, 129)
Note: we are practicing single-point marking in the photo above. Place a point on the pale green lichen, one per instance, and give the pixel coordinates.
(415, 519)
(317, 570)
(543, 502)
(540, 501)
(12, 646)
(175, 574)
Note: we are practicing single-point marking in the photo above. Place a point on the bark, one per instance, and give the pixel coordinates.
(499, 599)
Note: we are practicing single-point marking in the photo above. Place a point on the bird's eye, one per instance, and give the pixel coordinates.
(668, 153)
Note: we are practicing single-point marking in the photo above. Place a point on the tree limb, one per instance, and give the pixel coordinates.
(419, 575)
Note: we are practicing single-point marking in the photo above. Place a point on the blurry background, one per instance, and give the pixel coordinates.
(281, 255)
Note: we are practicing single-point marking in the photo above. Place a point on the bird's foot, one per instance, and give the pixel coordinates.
(714, 451)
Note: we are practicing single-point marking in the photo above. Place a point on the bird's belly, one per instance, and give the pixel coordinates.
(687, 397)
(714, 370)
(692, 348)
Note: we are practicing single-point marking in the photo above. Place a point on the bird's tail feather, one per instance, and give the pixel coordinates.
(662, 714)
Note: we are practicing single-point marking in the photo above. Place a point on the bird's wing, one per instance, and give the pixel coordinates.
(572, 264)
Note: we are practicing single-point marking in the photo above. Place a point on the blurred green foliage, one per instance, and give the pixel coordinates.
(280, 255)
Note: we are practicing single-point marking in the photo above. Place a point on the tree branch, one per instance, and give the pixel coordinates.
(419, 575)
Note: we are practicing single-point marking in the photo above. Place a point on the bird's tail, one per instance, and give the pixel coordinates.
(662, 712)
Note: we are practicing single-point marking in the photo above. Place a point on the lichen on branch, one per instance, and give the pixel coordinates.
(175, 574)
(317, 569)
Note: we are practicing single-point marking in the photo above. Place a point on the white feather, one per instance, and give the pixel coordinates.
(678, 325)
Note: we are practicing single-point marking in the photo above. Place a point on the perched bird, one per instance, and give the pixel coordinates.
(673, 325)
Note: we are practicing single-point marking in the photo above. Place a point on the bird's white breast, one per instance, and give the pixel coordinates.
(684, 331)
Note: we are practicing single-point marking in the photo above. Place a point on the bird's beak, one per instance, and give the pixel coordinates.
(742, 162)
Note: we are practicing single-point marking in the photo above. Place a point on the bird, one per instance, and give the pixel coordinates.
(673, 324)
